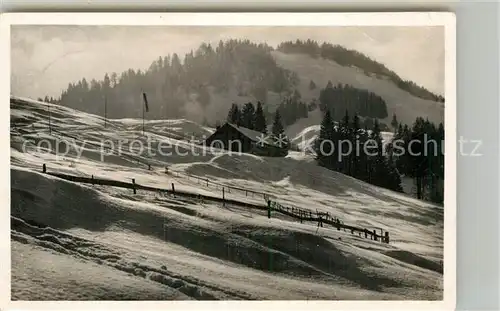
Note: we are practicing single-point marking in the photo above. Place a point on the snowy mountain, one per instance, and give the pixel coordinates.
(77, 241)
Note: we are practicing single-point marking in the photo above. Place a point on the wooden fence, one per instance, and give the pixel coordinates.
(321, 218)
(325, 218)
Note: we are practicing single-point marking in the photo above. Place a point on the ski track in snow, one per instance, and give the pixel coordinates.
(187, 249)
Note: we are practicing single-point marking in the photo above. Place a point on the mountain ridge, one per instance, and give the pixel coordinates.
(203, 86)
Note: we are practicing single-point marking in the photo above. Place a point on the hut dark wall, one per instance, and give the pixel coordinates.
(230, 138)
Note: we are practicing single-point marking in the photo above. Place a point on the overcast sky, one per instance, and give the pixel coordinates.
(46, 58)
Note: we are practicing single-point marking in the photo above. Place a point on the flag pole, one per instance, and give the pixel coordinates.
(105, 110)
(143, 107)
(50, 125)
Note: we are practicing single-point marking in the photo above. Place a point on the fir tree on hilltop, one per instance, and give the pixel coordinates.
(248, 116)
(394, 122)
(234, 115)
(278, 131)
(277, 128)
(324, 147)
(260, 119)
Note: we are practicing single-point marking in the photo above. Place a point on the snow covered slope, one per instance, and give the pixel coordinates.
(96, 242)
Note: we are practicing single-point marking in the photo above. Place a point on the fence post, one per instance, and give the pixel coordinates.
(92, 180)
(223, 198)
(374, 235)
(44, 168)
(366, 233)
(269, 209)
(207, 182)
(173, 189)
(133, 185)
(387, 237)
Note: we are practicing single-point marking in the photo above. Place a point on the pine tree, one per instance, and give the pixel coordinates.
(394, 122)
(324, 142)
(399, 133)
(376, 157)
(277, 128)
(234, 115)
(388, 176)
(312, 85)
(345, 135)
(248, 116)
(260, 119)
(106, 82)
(376, 136)
(356, 148)
(417, 163)
(403, 139)
(363, 159)
(278, 132)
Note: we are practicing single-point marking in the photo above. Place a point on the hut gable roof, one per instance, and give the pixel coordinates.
(251, 134)
(256, 136)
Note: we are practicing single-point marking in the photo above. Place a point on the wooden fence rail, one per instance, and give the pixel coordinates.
(300, 214)
(325, 218)
(135, 186)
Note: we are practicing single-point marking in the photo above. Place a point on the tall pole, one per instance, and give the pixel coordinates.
(105, 110)
(143, 108)
(50, 126)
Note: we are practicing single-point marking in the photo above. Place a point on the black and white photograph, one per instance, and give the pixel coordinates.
(230, 161)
